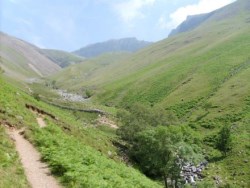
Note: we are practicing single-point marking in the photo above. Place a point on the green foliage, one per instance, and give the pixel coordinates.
(206, 184)
(36, 96)
(11, 171)
(208, 124)
(79, 165)
(140, 117)
(161, 151)
(224, 140)
(183, 109)
(76, 153)
(89, 93)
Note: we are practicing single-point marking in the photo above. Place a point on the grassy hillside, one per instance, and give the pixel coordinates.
(90, 73)
(79, 154)
(186, 67)
(202, 76)
(11, 171)
(62, 58)
(21, 60)
(191, 65)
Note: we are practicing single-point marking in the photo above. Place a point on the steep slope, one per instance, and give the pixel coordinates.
(91, 71)
(201, 77)
(194, 21)
(120, 45)
(190, 23)
(182, 68)
(77, 153)
(62, 58)
(21, 60)
(189, 66)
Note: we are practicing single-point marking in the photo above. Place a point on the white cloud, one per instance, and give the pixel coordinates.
(131, 9)
(203, 6)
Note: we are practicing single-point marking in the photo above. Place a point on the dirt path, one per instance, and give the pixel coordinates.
(37, 172)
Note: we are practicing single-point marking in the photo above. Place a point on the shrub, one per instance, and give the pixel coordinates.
(89, 93)
(224, 140)
(36, 96)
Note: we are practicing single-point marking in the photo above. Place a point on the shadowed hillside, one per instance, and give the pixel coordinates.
(62, 58)
(120, 45)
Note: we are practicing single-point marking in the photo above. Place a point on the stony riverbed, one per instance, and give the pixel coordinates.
(65, 95)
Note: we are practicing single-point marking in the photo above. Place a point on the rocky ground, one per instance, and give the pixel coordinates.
(70, 96)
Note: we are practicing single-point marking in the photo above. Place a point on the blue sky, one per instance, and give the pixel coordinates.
(71, 24)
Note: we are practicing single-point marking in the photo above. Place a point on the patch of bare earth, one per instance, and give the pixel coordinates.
(105, 121)
(41, 122)
(37, 172)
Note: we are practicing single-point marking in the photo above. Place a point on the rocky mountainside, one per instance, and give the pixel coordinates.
(21, 60)
(120, 45)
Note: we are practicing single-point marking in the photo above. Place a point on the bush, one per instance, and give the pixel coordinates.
(89, 93)
(224, 140)
(36, 96)
(162, 151)
(139, 117)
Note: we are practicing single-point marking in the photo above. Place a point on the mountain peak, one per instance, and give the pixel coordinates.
(227, 12)
(130, 44)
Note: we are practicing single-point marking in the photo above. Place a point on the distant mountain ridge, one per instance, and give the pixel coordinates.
(114, 45)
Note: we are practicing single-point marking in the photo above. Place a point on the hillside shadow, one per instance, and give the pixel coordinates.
(217, 158)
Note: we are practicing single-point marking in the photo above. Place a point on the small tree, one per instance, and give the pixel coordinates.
(224, 140)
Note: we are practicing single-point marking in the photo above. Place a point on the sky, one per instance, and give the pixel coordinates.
(71, 24)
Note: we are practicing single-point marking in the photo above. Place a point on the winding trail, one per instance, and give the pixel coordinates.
(37, 172)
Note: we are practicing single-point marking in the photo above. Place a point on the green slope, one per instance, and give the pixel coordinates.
(201, 75)
(11, 171)
(77, 153)
(186, 67)
(91, 73)
(62, 58)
